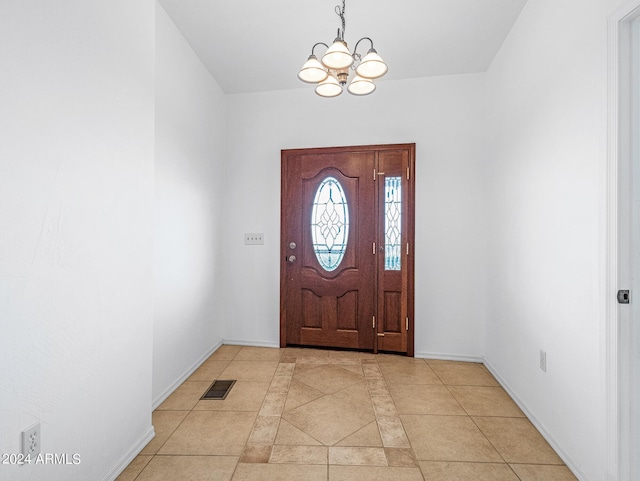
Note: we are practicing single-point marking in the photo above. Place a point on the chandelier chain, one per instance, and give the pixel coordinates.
(340, 13)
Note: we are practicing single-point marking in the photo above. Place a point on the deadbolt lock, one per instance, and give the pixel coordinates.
(623, 296)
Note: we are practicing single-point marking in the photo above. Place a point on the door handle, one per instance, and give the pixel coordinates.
(291, 259)
(623, 296)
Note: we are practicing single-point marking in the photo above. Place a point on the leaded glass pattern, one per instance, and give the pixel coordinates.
(392, 223)
(330, 223)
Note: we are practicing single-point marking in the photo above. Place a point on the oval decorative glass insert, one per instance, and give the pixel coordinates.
(330, 223)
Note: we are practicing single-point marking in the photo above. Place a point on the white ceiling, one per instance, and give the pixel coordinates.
(258, 45)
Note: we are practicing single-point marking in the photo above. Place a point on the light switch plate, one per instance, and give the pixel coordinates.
(254, 239)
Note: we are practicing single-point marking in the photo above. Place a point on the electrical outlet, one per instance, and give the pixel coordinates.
(31, 440)
(254, 239)
(543, 360)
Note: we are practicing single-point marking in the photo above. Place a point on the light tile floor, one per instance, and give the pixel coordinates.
(319, 415)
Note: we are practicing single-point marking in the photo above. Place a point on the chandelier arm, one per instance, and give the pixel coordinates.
(358, 43)
(314, 47)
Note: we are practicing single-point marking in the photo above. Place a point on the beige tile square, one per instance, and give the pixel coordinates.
(373, 473)
(355, 367)
(256, 454)
(372, 371)
(273, 404)
(280, 384)
(329, 378)
(136, 466)
(538, 472)
(392, 433)
(367, 436)
(248, 353)
(209, 371)
(408, 373)
(244, 396)
(463, 373)
(448, 471)
(350, 356)
(164, 424)
(299, 394)
(377, 387)
(401, 457)
(450, 438)
(303, 367)
(486, 401)
(328, 419)
(283, 454)
(357, 456)
(383, 406)
(285, 368)
(424, 399)
(225, 353)
(291, 435)
(307, 355)
(193, 468)
(185, 397)
(398, 359)
(357, 395)
(280, 472)
(210, 433)
(265, 430)
(259, 371)
(517, 440)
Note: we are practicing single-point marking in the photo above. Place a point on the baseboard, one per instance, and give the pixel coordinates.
(130, 455)
(568, 460)
(447, 357)
(167, 392)
(237, 342)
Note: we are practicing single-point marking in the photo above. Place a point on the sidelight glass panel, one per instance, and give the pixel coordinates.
(330, 223)
(392, 223)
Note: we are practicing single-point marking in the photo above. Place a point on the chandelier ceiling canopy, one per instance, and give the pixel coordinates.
(331, 73)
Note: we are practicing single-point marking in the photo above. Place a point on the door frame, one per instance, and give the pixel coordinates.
(411, 147)
(622, 443)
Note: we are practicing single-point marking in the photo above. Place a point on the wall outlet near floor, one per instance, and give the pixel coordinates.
(543, 360)
(254, 239)
(31, 440)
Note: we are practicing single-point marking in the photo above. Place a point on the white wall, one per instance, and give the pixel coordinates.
(545, 184)
(190, 120)
(76, 192)
(444, 117)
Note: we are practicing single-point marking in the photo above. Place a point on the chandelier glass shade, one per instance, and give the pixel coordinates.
(333, 71)
(361, 86)
(312, 71)
(337, 57)
(330, 87)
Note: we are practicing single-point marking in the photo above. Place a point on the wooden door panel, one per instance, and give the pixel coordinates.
(392, 279)
(335, 306)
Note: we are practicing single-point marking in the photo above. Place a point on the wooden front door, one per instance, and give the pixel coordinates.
(347, 233)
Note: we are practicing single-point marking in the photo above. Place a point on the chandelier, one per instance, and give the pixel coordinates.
(331, 72)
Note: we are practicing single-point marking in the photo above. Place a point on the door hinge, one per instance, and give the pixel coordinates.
(374, 322)
(374, 249)
(376, 174)
(407, 173)
(407, 248)
(407, 324)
